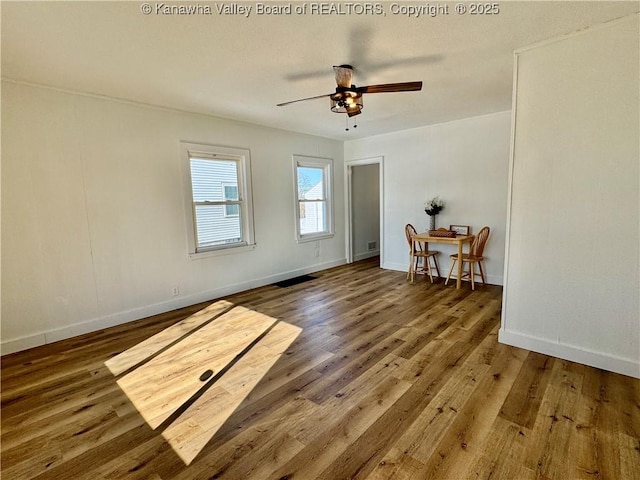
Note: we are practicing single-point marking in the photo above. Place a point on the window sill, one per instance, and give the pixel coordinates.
(313, 238)
(221, 251)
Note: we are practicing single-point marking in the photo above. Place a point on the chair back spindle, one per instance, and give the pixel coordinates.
(477, 247)
(410, 231)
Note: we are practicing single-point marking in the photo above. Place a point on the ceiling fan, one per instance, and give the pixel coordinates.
(348, 98)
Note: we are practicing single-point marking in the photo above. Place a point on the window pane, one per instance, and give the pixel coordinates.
(310, 183)
(232, 210)
(231, 192)
(313, 218)
(214, 228)
(208, 177)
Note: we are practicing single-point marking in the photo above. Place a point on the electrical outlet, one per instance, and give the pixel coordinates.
(175, 291)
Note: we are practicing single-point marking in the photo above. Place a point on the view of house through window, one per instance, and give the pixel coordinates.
(219, 208)
(211, 180)
(312, 200)
(313, 187)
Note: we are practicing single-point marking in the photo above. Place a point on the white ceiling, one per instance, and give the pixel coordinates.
(236, 67)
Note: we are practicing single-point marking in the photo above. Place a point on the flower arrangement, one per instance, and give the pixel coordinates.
(434, 206)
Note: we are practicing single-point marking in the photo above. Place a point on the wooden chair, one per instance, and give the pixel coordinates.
(419, 252)
(474, 256)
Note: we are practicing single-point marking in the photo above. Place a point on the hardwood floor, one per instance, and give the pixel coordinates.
(355, 375)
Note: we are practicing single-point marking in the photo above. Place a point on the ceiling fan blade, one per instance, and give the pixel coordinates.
(391, 87)
(304, 99)
(344, 75)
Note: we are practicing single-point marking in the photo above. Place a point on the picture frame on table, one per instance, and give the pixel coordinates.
(460, 229)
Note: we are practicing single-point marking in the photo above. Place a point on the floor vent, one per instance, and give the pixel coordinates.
(295, 281)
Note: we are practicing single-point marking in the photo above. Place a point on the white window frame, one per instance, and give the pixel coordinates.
(327, 165)
(245, 201)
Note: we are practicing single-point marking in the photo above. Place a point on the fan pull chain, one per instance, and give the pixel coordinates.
(355, 125)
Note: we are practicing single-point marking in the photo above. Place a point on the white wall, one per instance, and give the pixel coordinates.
(93, 226)
(365, 205)
(465, 162)
(573, 273)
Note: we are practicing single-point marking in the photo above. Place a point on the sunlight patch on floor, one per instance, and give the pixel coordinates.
(145, 349)
(191, 432)
(167, 387)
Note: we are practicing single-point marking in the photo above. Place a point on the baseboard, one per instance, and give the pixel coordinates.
(365, 255)
(22, 343)
(395, 266)
(624, 366)
(491, 279)
(68, 331)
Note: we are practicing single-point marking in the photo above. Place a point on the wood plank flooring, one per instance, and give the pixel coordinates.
(357, 374)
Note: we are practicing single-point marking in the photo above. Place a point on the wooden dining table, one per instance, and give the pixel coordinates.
(458, 240)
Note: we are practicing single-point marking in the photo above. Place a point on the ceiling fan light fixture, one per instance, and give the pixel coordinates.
(346, 102)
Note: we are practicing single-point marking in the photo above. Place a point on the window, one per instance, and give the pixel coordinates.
(217, 182)
(314, 208)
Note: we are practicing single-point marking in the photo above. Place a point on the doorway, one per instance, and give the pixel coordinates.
(364, 209)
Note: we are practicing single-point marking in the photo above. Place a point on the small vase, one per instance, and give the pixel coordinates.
(432, 222)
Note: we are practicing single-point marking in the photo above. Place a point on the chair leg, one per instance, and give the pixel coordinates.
(411, 267)
(484, 279)
(453, 264)
(472, 274)
(428, 266)
(435, 261)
